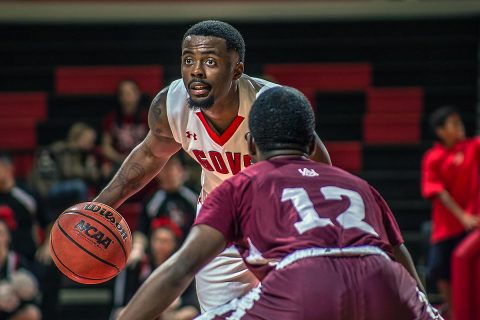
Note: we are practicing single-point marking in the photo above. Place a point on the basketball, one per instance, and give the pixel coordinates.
(90, 242)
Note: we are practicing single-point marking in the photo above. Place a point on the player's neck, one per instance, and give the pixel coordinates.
(223, 112)
(275, 154)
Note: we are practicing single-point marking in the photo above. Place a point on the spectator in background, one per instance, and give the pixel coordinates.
(64, 174)
(28, 213)
(18, 287)
(172, 200)
(450, 179)
(123, 128)
(66, 170)
(165, 239)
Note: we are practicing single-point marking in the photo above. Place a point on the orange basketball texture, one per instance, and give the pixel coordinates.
(90, 242)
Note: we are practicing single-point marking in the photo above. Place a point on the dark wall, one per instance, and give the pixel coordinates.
(440, 55)
(430, 52)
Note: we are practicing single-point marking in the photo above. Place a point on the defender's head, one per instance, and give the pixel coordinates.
(213, 54)
(281, 122)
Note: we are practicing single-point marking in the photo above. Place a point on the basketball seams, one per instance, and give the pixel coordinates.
(85, 250)
(71, 271)
(105, 226)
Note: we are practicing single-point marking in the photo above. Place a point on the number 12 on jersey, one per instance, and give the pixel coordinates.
(310, 218)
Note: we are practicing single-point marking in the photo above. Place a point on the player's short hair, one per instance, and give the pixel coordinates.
(282, 118)
(439, 117)
(220, 29)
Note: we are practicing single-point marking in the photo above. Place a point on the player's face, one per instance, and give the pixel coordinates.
(208, 70)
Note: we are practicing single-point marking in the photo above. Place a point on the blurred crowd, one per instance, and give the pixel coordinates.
(73, 170)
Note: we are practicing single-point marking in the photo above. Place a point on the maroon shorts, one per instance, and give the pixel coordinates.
(336, 288)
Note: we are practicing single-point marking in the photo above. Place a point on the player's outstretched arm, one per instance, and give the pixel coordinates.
(169, 280)
(320, 154)
(146, 160)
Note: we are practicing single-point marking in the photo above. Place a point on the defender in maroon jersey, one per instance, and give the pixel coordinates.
(322, 242)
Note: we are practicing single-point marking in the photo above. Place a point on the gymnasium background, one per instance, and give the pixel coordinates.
(373, 71)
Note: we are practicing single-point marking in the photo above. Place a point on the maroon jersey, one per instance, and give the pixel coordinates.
(278, 206)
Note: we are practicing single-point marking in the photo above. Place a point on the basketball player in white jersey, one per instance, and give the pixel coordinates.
(206, 114)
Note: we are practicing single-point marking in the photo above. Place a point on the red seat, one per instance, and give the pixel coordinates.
(395, 100)
(346, 155)
(392, 128)
(18, 134)
(105, 79)
(23, 105)
(23, 163)
(322, 76)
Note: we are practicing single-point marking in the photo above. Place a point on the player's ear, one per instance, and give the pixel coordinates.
(252, 147)
(238, 70)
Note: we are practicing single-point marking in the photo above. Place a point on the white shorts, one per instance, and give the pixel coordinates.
(225, 278)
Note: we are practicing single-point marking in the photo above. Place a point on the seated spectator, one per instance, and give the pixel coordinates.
(123, 128)
(164, 241)
(18, 287)
(28, 213)
(172, 200)
(66, 170)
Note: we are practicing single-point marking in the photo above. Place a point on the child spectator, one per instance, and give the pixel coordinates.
(450, 179)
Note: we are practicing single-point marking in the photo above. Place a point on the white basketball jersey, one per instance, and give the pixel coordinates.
(220, 157)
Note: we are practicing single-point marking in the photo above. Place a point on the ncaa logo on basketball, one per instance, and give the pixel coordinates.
(107, 215)
(93, 233)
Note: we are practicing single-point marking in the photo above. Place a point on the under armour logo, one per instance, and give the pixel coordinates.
(189, 135)
(307, 172)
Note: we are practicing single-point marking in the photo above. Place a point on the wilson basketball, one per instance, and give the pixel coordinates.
(90, 242)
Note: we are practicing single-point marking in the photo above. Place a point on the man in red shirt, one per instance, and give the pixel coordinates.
(450, 179)
(322, 242)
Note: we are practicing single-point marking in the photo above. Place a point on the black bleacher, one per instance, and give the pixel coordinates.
(339, 115)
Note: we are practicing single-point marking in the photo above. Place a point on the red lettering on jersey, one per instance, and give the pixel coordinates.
(202, 159)
(234, 161)
(247, 160)
(218, 162)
